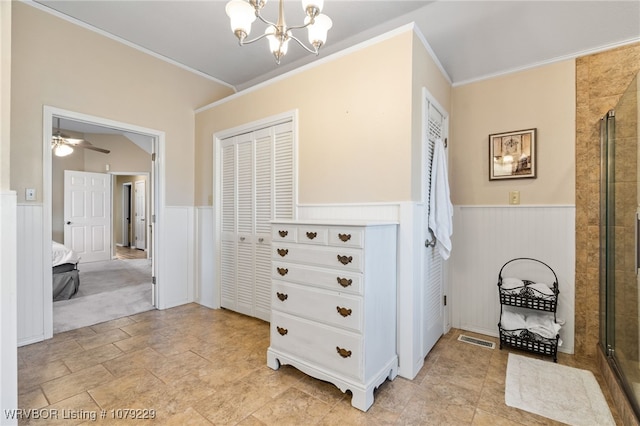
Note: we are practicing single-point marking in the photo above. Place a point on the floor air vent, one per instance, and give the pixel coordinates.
(477, 342)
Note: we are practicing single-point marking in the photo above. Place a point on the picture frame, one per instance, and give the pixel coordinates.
(512, 155)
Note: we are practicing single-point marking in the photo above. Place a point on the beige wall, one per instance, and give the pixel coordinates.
(125, 157)
(425, 74)
(354, 125)
(543, 98)
(5, 93)
(60, 64)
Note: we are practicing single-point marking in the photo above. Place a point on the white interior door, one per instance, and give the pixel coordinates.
(87, 213)
(126, 214)
(433, 264)
(140, 239)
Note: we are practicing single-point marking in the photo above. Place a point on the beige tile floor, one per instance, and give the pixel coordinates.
(197, 366)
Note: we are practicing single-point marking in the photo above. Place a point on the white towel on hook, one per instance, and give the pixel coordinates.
(440, 207)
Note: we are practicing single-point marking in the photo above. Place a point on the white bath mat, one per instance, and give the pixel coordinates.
(565, 394)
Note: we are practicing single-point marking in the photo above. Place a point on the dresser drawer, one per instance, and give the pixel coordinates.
(328, 307)
(287, 233)
(329, 347)
(343, 281)
(346, 237)
(312, 235)
(332, 257)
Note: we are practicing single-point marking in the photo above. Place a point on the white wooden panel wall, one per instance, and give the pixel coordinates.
(177, 263)
(485, 237)
(205, 268)
(30, 275)
(8, 315)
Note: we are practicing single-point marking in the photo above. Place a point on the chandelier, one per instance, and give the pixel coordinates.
(242, 14)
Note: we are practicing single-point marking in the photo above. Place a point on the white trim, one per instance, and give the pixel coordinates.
(324, 60)
(509, 206)
(158, 187)
(8, 306)
(123, 41)
(549, 61)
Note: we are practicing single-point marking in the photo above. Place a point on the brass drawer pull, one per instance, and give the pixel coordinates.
(344, 237)
(344, 282)
(282, 271)
(312, 235)
(283, 233)
(345, 312)
(345, 259)
(282, 331)
(343, 352)
(282, 296)
(283, 252)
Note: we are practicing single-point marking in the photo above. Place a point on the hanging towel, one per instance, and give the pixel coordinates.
(440, 207)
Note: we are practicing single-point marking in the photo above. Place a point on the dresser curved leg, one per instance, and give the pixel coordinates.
(362, 400)
(272, 361)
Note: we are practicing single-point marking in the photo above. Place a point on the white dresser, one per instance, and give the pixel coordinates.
(333, 304)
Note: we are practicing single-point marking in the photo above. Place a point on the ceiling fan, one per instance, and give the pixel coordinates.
(63, 145)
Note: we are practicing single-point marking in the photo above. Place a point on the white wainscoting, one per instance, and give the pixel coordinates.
(8, 309)
(30, 275)
(176, 264)
(485, 237)
(206, 293)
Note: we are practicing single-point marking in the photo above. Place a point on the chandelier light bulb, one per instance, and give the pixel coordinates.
(241, 15)
(318, 30)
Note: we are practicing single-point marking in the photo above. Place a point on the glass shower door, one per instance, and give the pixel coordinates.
(619, 208)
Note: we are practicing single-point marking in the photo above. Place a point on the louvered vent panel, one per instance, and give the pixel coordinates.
(263, 278)
(228, 188)
(263, 185)
(245, 276)
(228, 275)
(245, 187)
(284, 179)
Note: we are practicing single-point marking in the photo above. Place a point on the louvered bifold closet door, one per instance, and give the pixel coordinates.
(258, 185)
(433, 310)
(263, 214)
(228, 287)
(245, 225)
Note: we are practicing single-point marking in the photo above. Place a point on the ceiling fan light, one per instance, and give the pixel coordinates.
(318, 30)
(62, 150)
(241, 15)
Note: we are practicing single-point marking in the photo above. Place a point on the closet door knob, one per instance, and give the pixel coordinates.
(242, 238)
(260, 240)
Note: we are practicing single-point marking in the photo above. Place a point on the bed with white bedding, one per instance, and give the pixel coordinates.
(66, 279)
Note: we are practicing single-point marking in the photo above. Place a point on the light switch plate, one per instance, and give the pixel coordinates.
(514, 197)
(30, 194)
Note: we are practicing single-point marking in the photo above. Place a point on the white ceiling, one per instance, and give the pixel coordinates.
(471, 39)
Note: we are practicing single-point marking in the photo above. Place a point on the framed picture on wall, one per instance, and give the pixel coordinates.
(512, 155)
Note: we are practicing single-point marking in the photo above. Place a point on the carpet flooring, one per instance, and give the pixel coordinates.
(108, 290)
(566, 394)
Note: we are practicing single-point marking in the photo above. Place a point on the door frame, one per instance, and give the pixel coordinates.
(157, 199)
(126, 203)
(114, 177)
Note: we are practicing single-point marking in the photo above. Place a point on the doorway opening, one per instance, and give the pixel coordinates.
(107, 134)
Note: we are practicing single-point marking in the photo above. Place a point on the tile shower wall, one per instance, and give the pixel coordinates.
(601, 79)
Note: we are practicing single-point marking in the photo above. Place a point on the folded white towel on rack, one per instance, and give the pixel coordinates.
(542, 288)
(542, 324)
(509, 283)
(512, 320)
